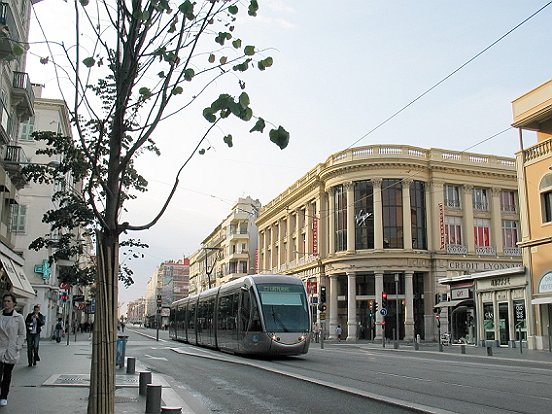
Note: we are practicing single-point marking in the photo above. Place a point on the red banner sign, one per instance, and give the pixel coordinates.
(315, 236)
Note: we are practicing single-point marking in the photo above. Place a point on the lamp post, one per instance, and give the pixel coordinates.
(396, 345)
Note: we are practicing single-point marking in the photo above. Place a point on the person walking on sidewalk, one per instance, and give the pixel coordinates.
(12, 336)
(338, 332)
(34, 322)
(58, 331)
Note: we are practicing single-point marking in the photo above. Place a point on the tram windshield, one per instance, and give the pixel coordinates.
(285, 307)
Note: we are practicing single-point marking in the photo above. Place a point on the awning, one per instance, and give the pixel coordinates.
(541, 301)
(452, 303)
(20, 283)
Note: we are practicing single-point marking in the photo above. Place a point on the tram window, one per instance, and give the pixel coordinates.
(255, 324)
(284, 308)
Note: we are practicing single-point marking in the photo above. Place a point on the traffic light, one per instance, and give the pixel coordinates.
(322, 294)
(375, 307)
(383, 300)
(322, 307)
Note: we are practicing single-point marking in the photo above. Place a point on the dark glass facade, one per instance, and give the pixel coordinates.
(391, 198)
(364, 215)
(340, 208)
(418, 215)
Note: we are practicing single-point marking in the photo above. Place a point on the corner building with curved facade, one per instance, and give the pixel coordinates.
(395, 219)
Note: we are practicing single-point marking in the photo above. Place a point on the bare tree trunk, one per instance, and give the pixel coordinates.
(102, 373)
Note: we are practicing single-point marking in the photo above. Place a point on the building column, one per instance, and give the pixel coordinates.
(352, 326)
(409, 306)
(264, 264)
(300, 224)
(379, 318)
(333, 306)
(351, 248)
(496, 221)
(331, 222)
(308, 231)
(407, 214)
(289, 246)
(378, 216)
(468, 218)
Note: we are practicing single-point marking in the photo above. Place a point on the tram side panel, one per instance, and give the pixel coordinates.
(227, 327)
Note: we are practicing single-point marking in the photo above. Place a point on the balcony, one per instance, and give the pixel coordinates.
(481, 206)
(512, 251)
(452, 204)
(12, 158)
(23, 95)
(456, 249)
(485, 251)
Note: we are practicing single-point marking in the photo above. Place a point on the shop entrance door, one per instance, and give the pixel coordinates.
(503, 323)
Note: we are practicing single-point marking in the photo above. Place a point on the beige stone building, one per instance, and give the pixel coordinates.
(392, 219)
(229, 251)
(533, 111)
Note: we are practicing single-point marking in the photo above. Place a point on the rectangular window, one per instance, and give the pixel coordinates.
(453, 231)
(452, 196)
(391, 197)
(480, 199)
(18, 218)
(508, 201)
(364, 215)
(418, 215)
(510, 233)
(547, 207)
(340, 218)
(482, 232)
(26, 129)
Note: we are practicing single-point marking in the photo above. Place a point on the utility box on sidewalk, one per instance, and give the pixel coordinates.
(121, 350)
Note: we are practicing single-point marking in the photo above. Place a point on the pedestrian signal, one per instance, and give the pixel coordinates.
(322, 294)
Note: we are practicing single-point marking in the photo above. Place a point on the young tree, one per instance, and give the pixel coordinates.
(139, 69)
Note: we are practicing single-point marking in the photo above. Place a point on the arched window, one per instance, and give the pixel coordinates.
(545, 189)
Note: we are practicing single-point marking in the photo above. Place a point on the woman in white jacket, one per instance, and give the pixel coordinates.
(12, 336)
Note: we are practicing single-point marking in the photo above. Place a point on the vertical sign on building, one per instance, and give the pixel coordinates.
(256, 260)
(315, 236)
(442, 225)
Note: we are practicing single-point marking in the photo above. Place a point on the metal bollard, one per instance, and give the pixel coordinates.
(153, 398)
(416, 346)
(171, 410)
(144, 380)
(131, 365)
(489, 351)
(462, 349)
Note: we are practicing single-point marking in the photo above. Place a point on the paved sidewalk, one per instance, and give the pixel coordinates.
(59, 382)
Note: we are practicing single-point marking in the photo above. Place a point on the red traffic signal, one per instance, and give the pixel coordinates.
(383, 300)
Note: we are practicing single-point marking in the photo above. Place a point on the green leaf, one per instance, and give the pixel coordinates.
(89, 62)
(247, 114)
(237, 43)
(187, 8)
(280, 137)
(233, 9)
(201, 151)
(145, 92)
(211, 58)
(253, 8)
(249, 50)
(178, 90)
(265, 63)
(189, 74)
(223, 60)
(259, 126)
(84, 3)
(228, 140)
(242, 67)
(208, 115)
(161, 74)
(244, 100)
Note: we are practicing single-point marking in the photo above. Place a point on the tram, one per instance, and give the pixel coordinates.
(253, 315)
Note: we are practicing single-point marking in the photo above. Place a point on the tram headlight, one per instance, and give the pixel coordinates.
(301, 338)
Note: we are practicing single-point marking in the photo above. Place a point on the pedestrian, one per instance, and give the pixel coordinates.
(58, 331)
(338, 332)
(316, 330)
(34, 321)
(12, 336)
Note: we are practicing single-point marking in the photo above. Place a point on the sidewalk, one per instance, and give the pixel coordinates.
(59, 383)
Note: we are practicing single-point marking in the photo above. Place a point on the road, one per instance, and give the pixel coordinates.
(348, 378)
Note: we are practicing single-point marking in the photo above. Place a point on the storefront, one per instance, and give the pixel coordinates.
(496, 313)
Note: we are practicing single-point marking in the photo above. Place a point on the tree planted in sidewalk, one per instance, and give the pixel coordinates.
(134, 64)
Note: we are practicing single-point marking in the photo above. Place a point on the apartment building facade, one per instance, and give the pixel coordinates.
(230, 250)
(533, 112)
(395, 220)
(16, 106)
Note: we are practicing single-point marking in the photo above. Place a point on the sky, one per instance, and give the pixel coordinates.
(340, 70)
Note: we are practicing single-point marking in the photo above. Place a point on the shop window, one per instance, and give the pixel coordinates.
(418, 215)
(391, 196)
(340, 218)
(488, 321)
(364, 215)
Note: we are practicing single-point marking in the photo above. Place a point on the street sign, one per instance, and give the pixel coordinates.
(383, 311)
(322, 316)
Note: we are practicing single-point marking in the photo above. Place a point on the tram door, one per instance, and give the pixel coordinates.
(244, 313)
